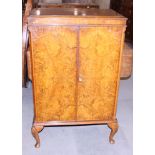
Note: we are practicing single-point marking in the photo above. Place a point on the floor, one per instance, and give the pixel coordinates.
(81, 140)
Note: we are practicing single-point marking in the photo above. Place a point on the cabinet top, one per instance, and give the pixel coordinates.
(75, 12)
(74, 16)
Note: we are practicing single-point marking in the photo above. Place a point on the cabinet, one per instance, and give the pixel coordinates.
(75, 67)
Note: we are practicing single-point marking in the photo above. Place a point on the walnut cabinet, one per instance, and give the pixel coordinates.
(76, 57)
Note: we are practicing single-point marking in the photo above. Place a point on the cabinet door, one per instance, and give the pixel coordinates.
(53, 52)
(99, 56)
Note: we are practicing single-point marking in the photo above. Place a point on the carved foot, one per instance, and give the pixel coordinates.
(35, 132)
(114, 128)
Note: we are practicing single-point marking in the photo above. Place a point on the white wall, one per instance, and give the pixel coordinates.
(104, 4)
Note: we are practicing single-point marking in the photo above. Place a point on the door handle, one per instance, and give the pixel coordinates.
(80, 79)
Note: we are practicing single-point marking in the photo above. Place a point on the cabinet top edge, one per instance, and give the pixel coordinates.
(75, 12)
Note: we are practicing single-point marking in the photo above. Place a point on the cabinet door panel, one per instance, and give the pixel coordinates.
(54, 72)
(99, 55)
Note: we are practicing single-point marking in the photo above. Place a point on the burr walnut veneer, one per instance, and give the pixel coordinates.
(76, 58)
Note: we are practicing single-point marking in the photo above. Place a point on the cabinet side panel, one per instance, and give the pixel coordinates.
(99, 52)
(54, 72)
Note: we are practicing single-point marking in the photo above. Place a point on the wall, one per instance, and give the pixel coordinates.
(104, 4)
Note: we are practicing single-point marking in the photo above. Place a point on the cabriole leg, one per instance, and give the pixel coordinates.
(114, 128)
(35, 132)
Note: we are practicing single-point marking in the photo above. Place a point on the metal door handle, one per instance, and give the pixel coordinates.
(80, 79)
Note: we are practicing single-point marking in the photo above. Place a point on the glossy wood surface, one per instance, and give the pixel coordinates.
(126, 65)
(75, 17)
(99, 56)
(76, 62)
(54, 72)
(71, 12)
(71, 85)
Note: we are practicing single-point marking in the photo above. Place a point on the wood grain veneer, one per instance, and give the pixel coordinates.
(126, 65)
(76, 64)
